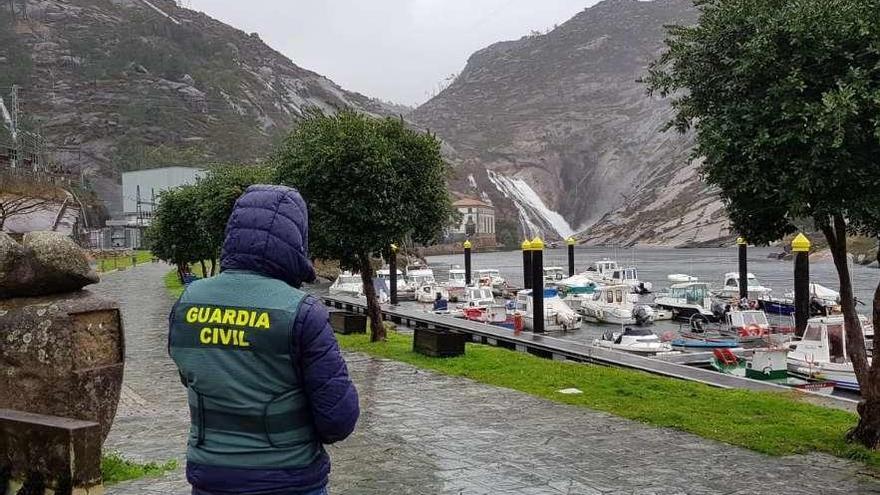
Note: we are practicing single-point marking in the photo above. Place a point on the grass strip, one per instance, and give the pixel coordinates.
(116, 469)
(771, 423)
(122, 261)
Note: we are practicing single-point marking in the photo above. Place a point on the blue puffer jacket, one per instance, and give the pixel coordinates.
(268, 234)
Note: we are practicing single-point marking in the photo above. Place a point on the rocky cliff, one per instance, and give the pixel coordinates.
(558, 133)
(124, 84)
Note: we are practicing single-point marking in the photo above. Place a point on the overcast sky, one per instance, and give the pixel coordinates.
(397, 50)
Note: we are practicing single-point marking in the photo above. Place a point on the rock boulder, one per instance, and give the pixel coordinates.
(44, 263)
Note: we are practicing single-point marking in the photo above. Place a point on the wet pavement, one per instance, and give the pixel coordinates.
(424, 433)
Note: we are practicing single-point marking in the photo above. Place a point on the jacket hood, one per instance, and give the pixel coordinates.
(268, 233)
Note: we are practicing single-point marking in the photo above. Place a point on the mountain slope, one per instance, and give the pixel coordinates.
(124, 84)
(557, 131)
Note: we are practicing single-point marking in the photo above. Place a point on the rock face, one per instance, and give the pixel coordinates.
(127, 84)
(45, 263)
(558, 133)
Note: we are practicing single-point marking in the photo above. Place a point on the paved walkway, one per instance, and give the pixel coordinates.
(423, 433)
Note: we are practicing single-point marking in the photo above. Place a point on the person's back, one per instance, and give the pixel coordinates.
(266, 383)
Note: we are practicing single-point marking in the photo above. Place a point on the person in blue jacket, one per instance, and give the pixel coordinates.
(266, 383)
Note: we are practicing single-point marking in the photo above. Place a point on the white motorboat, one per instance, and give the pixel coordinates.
(627, 276)
(577, 289)
(822, 299)
(477, 297)
(681, 278)
(614, 304)
(347, 284)
(455, 285)
(557, 315)
(404, 291)
(687, 300)
(428, 293)
(419, 275)
(603, 266)
(553, 274)
(491, 277)
(635, 340)
(730, 290)
(821, 353)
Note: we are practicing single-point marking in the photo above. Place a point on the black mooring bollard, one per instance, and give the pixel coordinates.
(571, 242)
(527, 264)
(743, 268)
(537, 285)
(392, 275)
(467, 263)
(801, 248)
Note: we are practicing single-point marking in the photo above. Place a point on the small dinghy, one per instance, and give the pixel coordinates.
(691, 341)
(635, 340)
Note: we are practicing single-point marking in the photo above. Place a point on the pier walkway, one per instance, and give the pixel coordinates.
(557, 348)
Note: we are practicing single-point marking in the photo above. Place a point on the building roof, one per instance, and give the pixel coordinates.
(471, 202)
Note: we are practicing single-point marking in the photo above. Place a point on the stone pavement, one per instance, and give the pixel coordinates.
(423, 433)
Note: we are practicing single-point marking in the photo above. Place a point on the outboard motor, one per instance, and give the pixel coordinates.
(643, 315)
(642, 289)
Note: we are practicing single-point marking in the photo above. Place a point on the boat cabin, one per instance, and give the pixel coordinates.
(605, 266)
(731, 286)
(479, 296)
(623, 275)
(524, 299)
(385, 274)
(554, 273)
(824, 339)
(691, 293)
(612, 294)
(746, 319)
(457, 276)
(420, 277)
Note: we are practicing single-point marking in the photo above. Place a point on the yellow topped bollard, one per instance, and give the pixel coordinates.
(741, 241)
(526, 245)
(392, 273)
(467, 262)
(743, 268)
(467, 244)
(801, 244)
(571, 241)
(537, 244)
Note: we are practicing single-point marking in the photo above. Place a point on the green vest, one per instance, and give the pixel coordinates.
(231, 339)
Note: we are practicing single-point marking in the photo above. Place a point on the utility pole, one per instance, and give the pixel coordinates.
(14, 117)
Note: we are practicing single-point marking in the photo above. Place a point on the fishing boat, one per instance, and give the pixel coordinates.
(557, 315)
(477, 297)
(612, 304)
(347, 284)
(456, 284)
(821, 353)
(823, 302)
(730, 289)
(603, 266)
(419, 275)
(687, 300)
(626, 276)
(428, 293)
(495, 314)
(749, 326)
(553, 274)
(635, 340)
(491, 277)
(767, 365)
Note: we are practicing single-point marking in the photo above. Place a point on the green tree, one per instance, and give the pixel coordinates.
(368, 183)
(217, 192)
(784, 99)
(177, 235)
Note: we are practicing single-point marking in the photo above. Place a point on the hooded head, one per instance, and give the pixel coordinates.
(268, 233)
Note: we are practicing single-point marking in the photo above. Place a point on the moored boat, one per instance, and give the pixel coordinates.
(635, 340)
(822, 352)
(730, 289)
(347, 284)
(687, 300)
(557, 315)
(612, 304)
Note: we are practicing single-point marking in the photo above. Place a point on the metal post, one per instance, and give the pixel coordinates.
(527, 264)
(801, 248)
(392, 269)
(743, 268)
(467, 263)
(537, 285)
(571, 242)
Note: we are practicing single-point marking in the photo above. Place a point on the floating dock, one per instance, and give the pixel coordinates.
(556, 348)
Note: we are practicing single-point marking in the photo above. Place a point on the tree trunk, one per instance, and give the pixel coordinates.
(374, 313)
(867, 432)
(204, 268)
(213, 266)
(180, 272)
